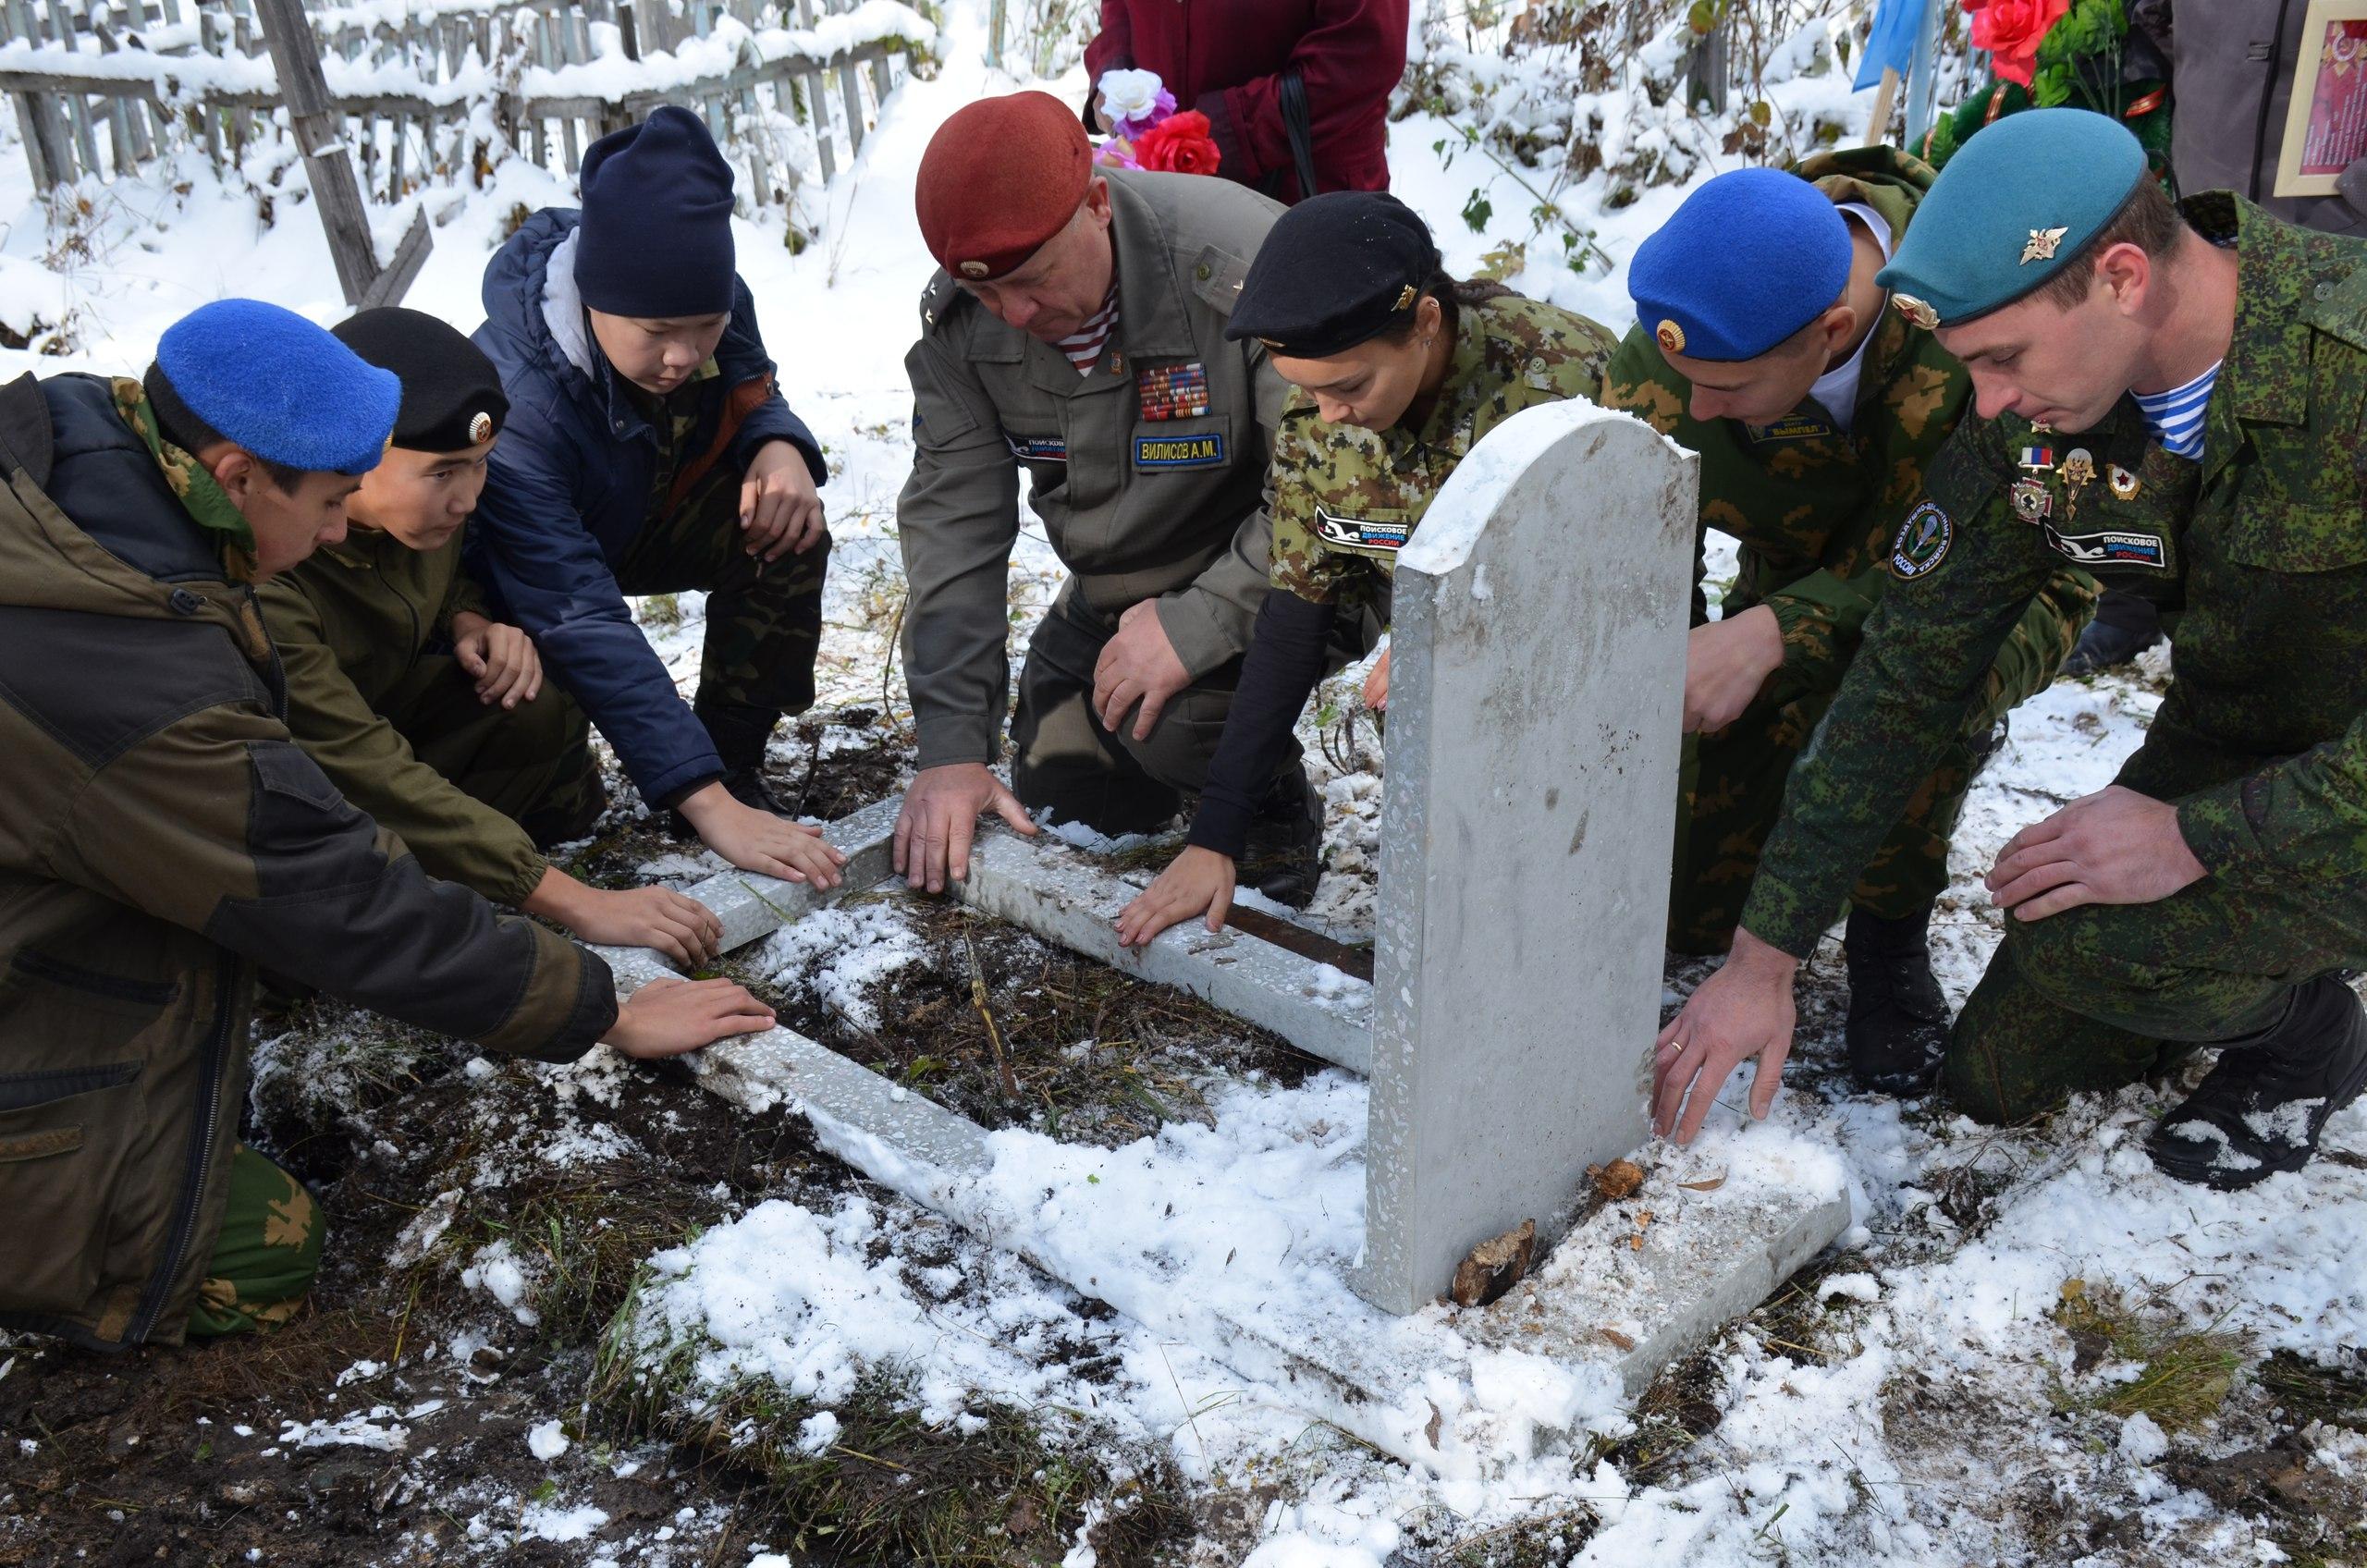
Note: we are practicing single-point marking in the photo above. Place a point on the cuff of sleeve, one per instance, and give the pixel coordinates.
(2215, 828)
(944, 739)
(672, 799)
(1783, 920)
(1200, 641)
(595, 1013)
(1221, 826)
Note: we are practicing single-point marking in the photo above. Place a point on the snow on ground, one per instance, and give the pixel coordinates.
(1924, 1437)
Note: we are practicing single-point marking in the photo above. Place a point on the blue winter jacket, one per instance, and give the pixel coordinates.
(569, 492)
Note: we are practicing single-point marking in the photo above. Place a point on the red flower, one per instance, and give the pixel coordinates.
(2010, 30)
(1180, 144)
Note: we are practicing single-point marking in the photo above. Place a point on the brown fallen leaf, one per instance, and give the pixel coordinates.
(1494, 1265)
(1618, 1180)
(1636, 1241)
(1430, 1429)
(1643, 1218)
(1711, 1186)
(1625, 1341)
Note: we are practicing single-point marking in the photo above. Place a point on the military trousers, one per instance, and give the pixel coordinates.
(532, 763)
(1730, 789)
(265, 1256)
(1065, 759)
(2106, 994)
(764, 619)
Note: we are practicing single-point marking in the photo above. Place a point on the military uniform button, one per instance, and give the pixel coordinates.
(1201, 271)
(2324, 291)
(184, 602)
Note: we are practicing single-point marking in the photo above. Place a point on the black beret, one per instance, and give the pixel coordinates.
(451, 393)
(1334, 271)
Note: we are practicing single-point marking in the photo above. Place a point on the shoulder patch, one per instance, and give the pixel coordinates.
(1922, 542)
(1215, 278)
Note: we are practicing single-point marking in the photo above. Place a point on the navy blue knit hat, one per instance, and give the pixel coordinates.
(280, 386)
(1749, 259)
(657, 234)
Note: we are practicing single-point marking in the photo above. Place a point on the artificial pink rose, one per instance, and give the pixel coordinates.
(1178, 144)
(2010, 30)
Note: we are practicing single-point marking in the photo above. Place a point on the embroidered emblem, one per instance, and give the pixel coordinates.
(1179, 451)
(1791, 427)
(1175, 391)
(2041, 245)
(1919, 311)
(2111, 548)
(1038, 449)
(1922, 542)
(1361, 533)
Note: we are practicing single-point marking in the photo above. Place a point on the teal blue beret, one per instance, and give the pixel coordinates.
(1749, 259)
(2011, 210)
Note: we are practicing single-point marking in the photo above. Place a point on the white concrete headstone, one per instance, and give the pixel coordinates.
(1536, 690)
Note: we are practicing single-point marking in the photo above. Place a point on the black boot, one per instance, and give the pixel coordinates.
(1897, 1030)
(2261, 1108)
(2125, 625)
(1284, 855)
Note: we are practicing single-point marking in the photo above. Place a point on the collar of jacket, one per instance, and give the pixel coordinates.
(2291, 283)
(1448, 426)
(1152, 322)
(205, 500)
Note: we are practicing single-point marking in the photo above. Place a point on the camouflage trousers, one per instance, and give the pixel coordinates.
(1065, 759)
(764, 619)
(532, 763)
(2106, 994)
(1730, 788)
(265, 1254)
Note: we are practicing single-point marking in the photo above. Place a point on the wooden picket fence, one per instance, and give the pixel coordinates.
(431, 90)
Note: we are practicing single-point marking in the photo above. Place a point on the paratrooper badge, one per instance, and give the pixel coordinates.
(1919, 311)
(2124, 483)
(2079, 467)
(2033, 501)
(2040, 246)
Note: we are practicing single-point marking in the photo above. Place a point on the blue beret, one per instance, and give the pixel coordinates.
(282, 388)
(2014, 206)
(1749, 259)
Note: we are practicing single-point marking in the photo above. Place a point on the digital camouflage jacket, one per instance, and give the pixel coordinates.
(1814, 509)
(2257, 553)
(1346, 499)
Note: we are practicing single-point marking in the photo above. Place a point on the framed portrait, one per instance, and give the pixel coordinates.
(2326, 126)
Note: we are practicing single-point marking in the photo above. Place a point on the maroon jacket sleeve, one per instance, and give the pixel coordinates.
(1350, 57)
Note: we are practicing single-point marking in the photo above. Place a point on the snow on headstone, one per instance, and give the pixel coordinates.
(1534, 723)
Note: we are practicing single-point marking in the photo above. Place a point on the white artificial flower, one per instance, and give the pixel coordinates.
(1128, 96)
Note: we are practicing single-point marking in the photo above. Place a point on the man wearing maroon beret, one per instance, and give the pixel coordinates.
(1076, 334)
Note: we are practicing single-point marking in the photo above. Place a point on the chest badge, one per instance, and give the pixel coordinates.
(1173, 391)
(1361, 533)
(2123, 482)
(2033, 501)
(2079, 467)
(2037, 459)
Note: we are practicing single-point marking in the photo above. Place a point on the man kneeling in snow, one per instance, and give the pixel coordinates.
(161, 835)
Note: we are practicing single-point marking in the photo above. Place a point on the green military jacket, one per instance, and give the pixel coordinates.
(1147, 472)
(1347, 499)
(351, 625)
(1813, 506)
(2258, 554)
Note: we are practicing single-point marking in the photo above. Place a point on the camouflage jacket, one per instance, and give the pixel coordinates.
(1814, 508)
(2257, 552)
(1347, 499)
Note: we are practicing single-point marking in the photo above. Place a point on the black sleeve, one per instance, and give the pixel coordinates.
(1279, 672)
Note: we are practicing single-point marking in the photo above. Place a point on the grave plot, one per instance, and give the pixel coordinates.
(1309, 1239)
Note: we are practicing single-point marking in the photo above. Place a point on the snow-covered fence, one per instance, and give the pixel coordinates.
(440, 89)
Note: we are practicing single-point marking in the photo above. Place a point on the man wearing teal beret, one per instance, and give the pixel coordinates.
(2169, 396)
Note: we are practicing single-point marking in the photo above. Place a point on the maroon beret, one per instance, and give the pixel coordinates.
(1001, 178)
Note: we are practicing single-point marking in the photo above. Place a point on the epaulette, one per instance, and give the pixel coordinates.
(938, 300)
(2337, 307)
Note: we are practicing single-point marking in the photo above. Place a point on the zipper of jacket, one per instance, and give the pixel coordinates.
(209, 1096)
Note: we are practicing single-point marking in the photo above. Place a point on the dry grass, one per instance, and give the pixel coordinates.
(2184, 1374)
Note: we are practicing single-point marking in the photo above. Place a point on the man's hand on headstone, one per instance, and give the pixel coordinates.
(669, 1017)
(1198, 881)
(779, 509)
(1726, 664)
(941, 816)
(1137, 669)
(2114, 847)
(1743, 1011)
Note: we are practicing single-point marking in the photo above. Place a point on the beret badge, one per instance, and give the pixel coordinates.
(1919, 311)
(974, 269)
(1670, 335)
(2042, 244)
(480, 428)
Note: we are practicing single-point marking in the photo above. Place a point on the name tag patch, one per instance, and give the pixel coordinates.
(1361, 533)
(1792, 427)
(1038, 449)
(2110, 548)
(1175, 391)
(1179, 451)
(1922, 542)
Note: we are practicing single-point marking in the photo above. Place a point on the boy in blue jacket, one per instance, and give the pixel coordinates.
(648, 451)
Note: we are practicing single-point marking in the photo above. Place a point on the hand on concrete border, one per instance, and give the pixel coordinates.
(1377, 684)
(757, 840)
(1137, 672)
(1198, 881)
(669, 1017)
(1726, 666)
(941, 816)
(2114, 847)
(1743, 1011)
(684, 929)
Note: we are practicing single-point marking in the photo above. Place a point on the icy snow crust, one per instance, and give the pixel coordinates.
(1809, 1463)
